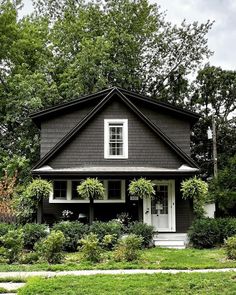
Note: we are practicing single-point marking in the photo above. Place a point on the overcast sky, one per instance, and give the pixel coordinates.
(222, 37)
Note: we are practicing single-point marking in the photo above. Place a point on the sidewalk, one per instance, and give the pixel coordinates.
(26, 274)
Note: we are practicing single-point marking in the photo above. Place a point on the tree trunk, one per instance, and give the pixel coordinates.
(91, 211)
(40, 212)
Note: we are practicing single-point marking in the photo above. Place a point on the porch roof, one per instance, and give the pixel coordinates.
(124, 170)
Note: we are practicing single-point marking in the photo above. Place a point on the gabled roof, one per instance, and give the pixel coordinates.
(37, 117)
(134, 109)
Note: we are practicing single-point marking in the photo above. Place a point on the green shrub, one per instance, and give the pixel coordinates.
(128, 248)
(73, 231)
(32, 233)
(51, 248)
(29, 258)
(12, 245)
(5, 227)
(90, 247)
(109, 241)
(208, 232)
(143, 230)
(101, 229)
(230, 247)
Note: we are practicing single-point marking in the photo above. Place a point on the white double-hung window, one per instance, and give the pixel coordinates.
(116, 138)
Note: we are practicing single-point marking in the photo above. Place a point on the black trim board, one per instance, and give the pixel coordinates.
(133, 108)
(40, 115)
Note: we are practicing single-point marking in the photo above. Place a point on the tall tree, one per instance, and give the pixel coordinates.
(68, 48)
(214, 94)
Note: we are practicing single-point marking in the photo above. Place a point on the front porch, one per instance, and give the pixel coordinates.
(167, 213)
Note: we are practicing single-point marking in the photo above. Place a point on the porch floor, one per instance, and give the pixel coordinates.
(171, 240)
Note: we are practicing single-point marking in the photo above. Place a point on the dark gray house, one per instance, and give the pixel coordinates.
(117, 135)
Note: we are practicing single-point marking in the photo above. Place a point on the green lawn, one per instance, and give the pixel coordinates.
(154, 258)
(194, 283)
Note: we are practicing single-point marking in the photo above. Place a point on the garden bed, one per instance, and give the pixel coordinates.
(154, 258)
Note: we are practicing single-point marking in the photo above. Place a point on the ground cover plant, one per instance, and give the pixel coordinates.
(184, 283)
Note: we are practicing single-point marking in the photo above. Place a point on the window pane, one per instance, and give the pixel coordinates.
(75, 194)
(116, 139)
(59, 189)
(114, 189)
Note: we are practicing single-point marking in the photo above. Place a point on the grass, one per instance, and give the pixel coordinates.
(184, 283)
(154, 258)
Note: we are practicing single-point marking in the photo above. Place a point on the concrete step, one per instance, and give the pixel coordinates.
(170, 240)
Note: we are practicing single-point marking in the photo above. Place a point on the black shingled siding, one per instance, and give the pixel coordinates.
(52, 130)
(87, 148)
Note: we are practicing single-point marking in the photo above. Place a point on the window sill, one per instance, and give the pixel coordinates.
(54, 201)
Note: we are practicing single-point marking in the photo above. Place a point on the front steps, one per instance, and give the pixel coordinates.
(171, 240)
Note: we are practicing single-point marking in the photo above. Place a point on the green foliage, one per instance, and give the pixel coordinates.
(12, 245)
(73, 231)
(91, 188)
(24, 206)
(128, 248)
(109, 241)
(101, 229)
(27, 199)
(69, 48)
(5, 227)
(39, 189)
(214, 94)
(230, 247)
(142, 188)
(197, 190)
(29, 258)
(32, 233)
(90, 248)
(223, 188)
(208, 233)
(51, 248)
(143, 230)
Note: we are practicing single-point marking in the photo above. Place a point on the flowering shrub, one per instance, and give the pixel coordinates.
(67, 214)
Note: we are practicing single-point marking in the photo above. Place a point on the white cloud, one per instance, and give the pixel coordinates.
(222, 37)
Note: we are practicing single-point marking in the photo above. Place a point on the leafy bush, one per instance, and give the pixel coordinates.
(128, 248)
(208, 233)
(195, 189)
(230, 247)
(90, 247)
(29, 258)
(73, 231)
(143, 230)
(109, 241)
(27, 199)
(51, 248)
(32, 233)
(101, 229)
(12, 245)
(5, 227)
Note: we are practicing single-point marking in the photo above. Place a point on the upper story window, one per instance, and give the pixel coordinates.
(116, 138)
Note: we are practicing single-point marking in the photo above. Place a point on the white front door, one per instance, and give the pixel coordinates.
(160, 211)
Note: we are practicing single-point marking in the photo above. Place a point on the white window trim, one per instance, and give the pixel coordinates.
(73, 201)
(106, 138)
(106, 200)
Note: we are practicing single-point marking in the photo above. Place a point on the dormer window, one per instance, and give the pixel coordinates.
(116, 138)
